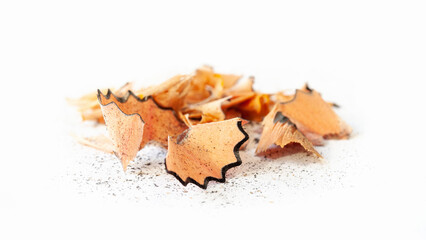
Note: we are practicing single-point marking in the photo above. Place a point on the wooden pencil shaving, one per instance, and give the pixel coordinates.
(204, 152)
(313, 116)
(125, 132)
(133, 122)
(99, 142)
(279, 130)
(199, 118)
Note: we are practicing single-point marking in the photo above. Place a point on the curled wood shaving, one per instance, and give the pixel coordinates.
(158, 123)
(279, 130)
(209, 112)
(88, 105)
(199, 118)
(99, 142)
(205, 152)
(125, 132)
(313, 116)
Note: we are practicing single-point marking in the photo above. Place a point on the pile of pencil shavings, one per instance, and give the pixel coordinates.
(199, 119)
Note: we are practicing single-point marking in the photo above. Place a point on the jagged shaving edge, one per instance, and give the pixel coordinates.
(224, 169)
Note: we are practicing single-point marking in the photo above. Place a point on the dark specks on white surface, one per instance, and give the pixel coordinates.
(273, 177)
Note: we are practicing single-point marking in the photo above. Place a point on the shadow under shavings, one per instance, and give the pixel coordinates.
(149, 160)
(292, 153)
(276, 152)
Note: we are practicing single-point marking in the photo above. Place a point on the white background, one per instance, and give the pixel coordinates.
(375, 51)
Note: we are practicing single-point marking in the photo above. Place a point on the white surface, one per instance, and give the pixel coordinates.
(369, 56)
(275, 178)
